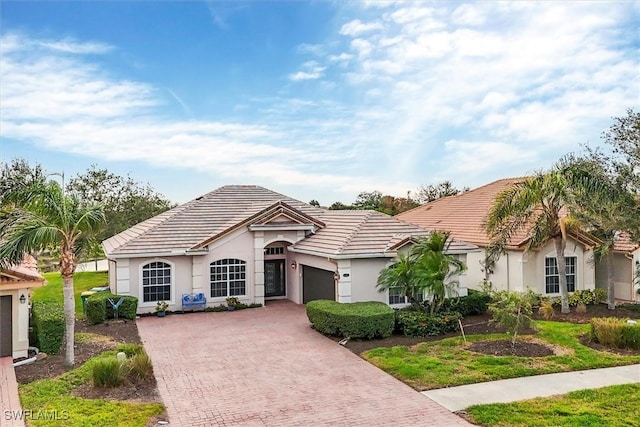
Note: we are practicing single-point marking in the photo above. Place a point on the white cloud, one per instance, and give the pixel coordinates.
(311, 70)
(357, 27)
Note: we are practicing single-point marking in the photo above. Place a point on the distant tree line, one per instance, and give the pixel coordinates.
(391, 205)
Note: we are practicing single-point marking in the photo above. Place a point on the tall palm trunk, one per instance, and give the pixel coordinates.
(67, 268)
(611, 290)
(562, 273)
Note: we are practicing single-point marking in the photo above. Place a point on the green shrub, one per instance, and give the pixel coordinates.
(139, 366)
(613, 332)
(583, 297)
(217, 308)
(255, 305)
(49, 326)
(99, 309)
(512, 310)
(473, 304)
(355, 320)
(421, 324)
(131, 349)
(108, 372)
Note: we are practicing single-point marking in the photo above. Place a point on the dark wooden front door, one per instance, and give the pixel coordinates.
(317, 284)
(274, 278)
(6, 327)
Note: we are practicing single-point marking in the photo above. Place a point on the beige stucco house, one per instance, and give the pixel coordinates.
(464, 214)
(257, 245)
(15, 283)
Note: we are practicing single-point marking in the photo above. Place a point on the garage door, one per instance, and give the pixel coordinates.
(6, 334)
(317, 284)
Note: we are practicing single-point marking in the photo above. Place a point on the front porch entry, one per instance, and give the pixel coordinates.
(274, 278)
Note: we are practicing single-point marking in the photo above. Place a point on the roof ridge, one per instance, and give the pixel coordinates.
(356, 229)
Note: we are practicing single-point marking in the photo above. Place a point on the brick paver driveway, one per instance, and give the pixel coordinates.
(266, 366)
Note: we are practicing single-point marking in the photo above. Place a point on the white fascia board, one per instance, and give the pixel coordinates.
(343, 256)
(303, 227)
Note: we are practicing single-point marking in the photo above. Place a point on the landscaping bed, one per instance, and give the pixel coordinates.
(92, 341)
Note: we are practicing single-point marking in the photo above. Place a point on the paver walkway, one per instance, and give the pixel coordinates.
(266, 366)
(10, 414)
(512, 390)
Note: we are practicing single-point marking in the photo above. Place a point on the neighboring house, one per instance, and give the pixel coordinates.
(626, 258)
(463, 215)
(15, 283)
(255, 244)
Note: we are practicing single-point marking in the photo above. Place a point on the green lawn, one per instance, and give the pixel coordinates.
(609, 406)
(447, 362)
(53, 398)
(84, 281)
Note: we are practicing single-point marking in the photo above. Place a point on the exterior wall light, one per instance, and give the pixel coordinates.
(294, 265)
(23, 299)
(336, 276)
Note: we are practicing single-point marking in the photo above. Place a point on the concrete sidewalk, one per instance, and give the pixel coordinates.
(512, 390)
(10, 416)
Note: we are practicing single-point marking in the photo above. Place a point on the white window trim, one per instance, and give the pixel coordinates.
(404, 304)
(171, 302)
(575, 274)
(246, 273)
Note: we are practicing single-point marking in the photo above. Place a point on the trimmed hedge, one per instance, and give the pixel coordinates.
(473, 304)
(99, 309)
(421, 324)
(49, 326)
(613, 332)
(366, 320)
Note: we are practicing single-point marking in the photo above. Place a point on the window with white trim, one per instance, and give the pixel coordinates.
(228, 278)
(552, 277)
(397, 297)
(156, 282)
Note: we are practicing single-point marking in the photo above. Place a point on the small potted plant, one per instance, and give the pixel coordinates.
(161, 308)
(232, 302)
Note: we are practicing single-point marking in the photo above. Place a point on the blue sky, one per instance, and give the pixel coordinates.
(317, 100)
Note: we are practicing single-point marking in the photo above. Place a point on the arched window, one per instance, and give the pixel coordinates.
(228, 278)
(156, 282)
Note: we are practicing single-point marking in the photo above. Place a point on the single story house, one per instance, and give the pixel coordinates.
(15, 283)
(626, 259)
(464, 215)
(255, 244)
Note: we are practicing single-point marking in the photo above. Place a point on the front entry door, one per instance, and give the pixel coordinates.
(6, 337)
(274, 280)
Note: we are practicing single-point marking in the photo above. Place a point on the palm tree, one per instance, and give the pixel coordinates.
(402, 276)
(535, 205)
(44, 217)
(426, 268)
(604, 206)
(438, 268)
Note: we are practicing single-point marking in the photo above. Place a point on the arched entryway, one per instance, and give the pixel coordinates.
(275, 270)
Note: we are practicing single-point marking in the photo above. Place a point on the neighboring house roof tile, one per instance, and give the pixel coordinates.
(463, 214)
(27, 270)
(625, 244)
(207, 218)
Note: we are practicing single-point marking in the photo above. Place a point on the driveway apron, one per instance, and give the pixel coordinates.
(266, 366)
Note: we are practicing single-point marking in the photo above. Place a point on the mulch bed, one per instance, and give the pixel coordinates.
(505, 348)
(478, 325)
(120, 331)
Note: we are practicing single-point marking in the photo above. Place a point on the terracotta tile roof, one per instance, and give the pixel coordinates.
(625, 244)
(27, 270)
(463, 214)
(195, 224)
